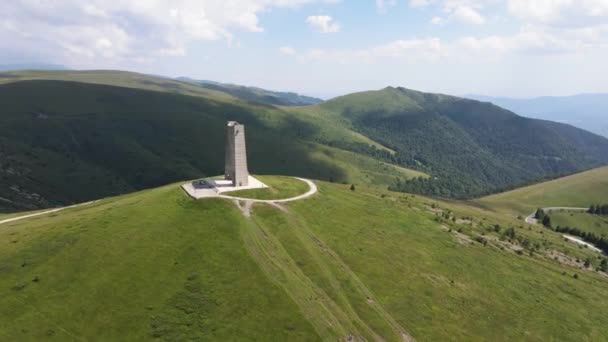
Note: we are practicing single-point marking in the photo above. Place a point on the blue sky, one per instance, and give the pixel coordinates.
(519, 48)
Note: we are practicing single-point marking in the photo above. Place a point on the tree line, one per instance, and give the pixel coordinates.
(598, 209)
(599, 241)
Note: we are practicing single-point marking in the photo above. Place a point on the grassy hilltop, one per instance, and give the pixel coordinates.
(368, 263)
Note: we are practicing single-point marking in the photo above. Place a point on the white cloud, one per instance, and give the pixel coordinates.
(467, 15)
(323, 23)
(420, 3)
(408, 49)
(464, 11)
(384, 5)
(436, 21)
(568, 12)
(83, 34)
(529, 41)
(287, 50)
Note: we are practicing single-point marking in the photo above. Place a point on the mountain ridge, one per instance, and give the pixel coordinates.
(588, 111)
(469, 148)
(257, 94)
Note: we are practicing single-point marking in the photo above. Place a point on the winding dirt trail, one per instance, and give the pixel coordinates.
(12, 219)
(311, 191)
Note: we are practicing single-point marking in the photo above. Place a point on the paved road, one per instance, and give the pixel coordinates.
(531, 220)
(43, 213)
(581, 242)
(312, 190)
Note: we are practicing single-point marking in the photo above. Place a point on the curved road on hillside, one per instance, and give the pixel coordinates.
(531, 220)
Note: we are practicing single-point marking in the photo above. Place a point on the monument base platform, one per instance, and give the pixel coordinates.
(204, 188)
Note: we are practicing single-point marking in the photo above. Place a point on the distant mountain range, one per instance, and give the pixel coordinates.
(255, 94)
(31, 66)
(586, 111)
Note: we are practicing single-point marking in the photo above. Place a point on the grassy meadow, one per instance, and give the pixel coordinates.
(368, 263)
(584, 221)
(578, 190)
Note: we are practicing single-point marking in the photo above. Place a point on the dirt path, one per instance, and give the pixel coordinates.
(245, 204)
(311, 191)
(43, 212)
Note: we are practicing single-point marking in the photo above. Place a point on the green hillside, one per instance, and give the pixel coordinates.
(579, 190)
(74, 142)
(156, 265)
(115, 78)
(469, 147)
(256, 94)
(595, 224)
(73, 136)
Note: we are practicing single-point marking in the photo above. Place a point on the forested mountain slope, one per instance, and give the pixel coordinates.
(70, 136)
(469, 147)
(64, 142)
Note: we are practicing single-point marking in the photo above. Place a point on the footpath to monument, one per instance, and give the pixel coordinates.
(215, 188)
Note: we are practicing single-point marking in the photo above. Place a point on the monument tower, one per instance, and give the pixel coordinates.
(236, 155)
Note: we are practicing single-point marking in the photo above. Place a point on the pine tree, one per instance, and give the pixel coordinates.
(547, 221)
(540, 214)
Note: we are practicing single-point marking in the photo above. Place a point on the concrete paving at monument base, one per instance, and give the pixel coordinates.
(204, 188)
(200, 189)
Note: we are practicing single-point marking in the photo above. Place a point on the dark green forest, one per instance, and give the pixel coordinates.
(470, 148)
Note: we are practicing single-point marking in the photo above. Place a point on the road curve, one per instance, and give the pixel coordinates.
(531, 220)
(311, 191)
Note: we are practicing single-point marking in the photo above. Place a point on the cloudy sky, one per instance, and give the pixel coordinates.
(325, 47)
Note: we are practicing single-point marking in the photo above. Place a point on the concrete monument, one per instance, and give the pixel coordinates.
(236, 155)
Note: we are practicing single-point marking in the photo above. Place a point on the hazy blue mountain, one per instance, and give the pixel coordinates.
(586, 111)
(31, 66)
(257, 94)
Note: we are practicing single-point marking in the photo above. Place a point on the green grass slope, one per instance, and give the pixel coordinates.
(154, 265)
(578, 190)
(595, 224)
(469, 147)
(364, 263)
(64, 142)
(256, 94)
(115, 78)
